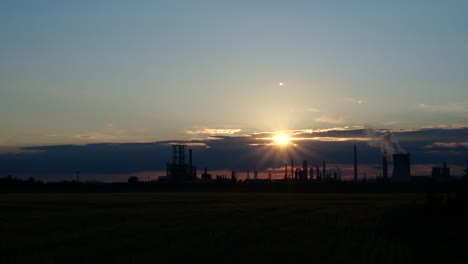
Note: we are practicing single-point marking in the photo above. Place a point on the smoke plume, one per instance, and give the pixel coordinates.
(390, 144)
(387, 142)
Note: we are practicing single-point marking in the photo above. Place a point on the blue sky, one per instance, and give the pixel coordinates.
(78, 72)
(135, 71)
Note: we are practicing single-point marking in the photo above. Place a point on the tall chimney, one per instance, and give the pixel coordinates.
(304, 170)
(355, 163)
(174, 155)
(285, 171)
(292, 168)
(385, 165)
(181, 155)
(190, 157)
(324, 170)
(190, 164)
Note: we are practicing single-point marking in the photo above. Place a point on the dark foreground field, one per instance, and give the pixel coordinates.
(229, 228)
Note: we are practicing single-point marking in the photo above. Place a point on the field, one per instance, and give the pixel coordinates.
(228, 228)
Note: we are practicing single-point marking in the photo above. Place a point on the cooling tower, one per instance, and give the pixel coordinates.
(401, 168)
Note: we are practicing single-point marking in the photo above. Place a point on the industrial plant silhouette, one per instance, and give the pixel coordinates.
(182, 174)
(179, 171)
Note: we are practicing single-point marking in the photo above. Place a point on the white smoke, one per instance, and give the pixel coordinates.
(390, 144)
(386, 140)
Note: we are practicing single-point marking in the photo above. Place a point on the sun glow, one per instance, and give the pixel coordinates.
(281, 140)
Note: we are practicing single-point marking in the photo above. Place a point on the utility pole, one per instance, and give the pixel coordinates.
(355, 164)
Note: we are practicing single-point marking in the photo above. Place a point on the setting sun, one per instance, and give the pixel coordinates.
(281, 140)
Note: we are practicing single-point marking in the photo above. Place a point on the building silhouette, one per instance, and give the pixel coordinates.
(179, 170)
(441, 173)
(401, 168)
(384, 166)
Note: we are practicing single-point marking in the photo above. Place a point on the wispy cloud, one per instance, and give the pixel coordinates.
(322, 130)
(17, 150)
(304, 132)
(190, 144)
(447, 126)
(312, 110)
(329, 119)
(445, 108)
(448, 145)
(391, 122)
(108, 137)
(354, 100)
(215, 131)
(109, 134)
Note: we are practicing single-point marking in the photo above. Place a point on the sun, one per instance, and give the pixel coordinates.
(281, 140)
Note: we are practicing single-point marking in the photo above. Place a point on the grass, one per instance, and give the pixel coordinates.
(228, 228)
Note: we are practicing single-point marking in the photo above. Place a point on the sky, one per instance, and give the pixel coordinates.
(102, 71)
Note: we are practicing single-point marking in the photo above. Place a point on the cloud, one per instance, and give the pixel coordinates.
(324, 130)
(109, 136)
(109, 133)
(391, 122)
(329, 119)
(190, 144)
(326, 135)
(335, 139)
(215, 131)
(448, 145)
(445, 108)
(447, 126)
(16, 150)
(312, 110)
(353, 100)
(240, 153)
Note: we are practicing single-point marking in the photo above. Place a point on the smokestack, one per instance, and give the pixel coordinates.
(174, 155)
(324, 170)
(190, 158)
(445, 171)
(304, 170)
(355, 164)
(181, 155)
(292, 168)
(318, 172)
(285, 171)
(385, 165)
(190, 164)
(311, 173)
